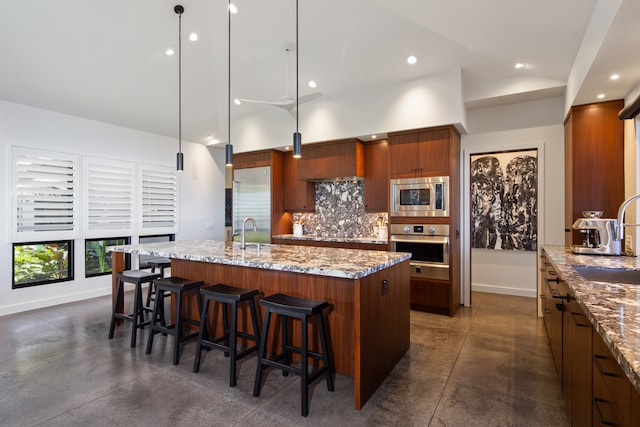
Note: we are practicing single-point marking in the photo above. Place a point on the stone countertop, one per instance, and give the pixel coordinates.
(369, 240)
(612, 308)
(335, 262)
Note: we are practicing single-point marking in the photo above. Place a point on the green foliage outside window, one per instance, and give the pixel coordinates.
(97, 260)
(39, 263)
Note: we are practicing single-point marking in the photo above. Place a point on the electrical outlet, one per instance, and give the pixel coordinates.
(628, 244)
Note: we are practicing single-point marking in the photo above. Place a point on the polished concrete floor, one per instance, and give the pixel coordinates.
(487, 366)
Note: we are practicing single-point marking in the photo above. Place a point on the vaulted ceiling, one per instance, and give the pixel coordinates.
(104, 60)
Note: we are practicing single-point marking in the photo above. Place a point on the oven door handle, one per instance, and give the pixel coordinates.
(443, 240)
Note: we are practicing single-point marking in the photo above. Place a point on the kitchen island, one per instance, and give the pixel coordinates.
(368, 293)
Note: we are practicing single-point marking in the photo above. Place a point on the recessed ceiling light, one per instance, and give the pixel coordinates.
(312, 83)
(520, 65)
(287, 148)
(169, 51)
(374, 136)
(601, 95)
(237, 101)
(233, 8)
(412, 59)
(614, 76)
(193, 37)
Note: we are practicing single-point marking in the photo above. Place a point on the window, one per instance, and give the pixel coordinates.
(158, 199)
(45, 200)
(97, 261)
(40, 263)
(108, 197)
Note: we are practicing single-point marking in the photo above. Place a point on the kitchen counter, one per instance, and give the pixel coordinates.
(612, 308)
(334, 262)
(308, 237)
(368, 293)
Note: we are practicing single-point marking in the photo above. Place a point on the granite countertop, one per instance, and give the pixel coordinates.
(371, 240)
(612, 308)
(335, 262)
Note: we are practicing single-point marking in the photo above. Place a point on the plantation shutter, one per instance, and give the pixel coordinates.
(158, 199)
(45, 202)
(109, 195)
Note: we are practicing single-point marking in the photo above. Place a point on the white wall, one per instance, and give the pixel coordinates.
(201, 190)
(536, 124)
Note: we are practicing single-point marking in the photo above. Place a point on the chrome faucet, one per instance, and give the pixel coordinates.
(619, 234)
(255, 228)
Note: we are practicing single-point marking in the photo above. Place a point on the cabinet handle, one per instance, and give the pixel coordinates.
(596, 403)
(596, 360)
(574, 315)
(560, 307)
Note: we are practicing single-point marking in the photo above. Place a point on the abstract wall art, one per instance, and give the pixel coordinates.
(504, 200)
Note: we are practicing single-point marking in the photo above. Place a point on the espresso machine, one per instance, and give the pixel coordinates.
(598, 235)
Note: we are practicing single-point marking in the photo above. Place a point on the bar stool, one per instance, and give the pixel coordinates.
(299, 308)
(160, 264)
(177, 286)
(228, 296)
(137, 277)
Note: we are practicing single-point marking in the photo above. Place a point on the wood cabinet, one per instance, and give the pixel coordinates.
(594, 163)
(299, 195)
(376, 176)
(343, 158)
(431, 295)
(280, 224)
(553, 297)
(576, 364)
(426, 152)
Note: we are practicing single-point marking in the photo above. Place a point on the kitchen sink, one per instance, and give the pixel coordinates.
(613, 275)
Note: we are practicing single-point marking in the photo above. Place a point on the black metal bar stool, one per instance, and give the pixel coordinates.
(299, 308)
(137, 277)
(179, 287)
(160, 264)
(227, 342)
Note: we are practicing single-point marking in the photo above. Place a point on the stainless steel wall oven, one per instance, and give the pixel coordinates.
(428, 245)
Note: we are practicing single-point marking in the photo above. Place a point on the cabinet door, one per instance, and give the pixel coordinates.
(434, 153)
(578, 365)
(376, 176)
(299, 195)
(433, 296)
(404, 155)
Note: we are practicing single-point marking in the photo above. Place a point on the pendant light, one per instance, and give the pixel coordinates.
(229, 148)
(297, 137)
(180, 158)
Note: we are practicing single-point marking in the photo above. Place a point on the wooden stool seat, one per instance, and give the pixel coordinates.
(299, 308)
(227, 342)
(177, 286)
(137, 277)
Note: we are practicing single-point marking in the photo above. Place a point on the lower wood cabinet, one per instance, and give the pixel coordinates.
(430, 295)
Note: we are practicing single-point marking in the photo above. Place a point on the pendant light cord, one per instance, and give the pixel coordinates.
(180, 82)
(297, 55)
(229, 78)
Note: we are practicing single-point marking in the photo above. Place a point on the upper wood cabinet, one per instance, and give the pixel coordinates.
(594, 163)
(424, 152)
(376, 176)
(342, 158)
(299, 194)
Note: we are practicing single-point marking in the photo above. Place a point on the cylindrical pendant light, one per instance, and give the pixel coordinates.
(297, 136)
(179, 158)
(229, 148)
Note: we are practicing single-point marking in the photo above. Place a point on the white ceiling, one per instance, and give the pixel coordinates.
(103, 60)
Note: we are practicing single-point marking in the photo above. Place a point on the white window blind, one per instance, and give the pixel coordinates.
(108, 197)
(158, 199)
(45, 195)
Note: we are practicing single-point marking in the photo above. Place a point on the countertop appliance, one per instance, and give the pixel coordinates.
(598, 235)
(428, 245)
(252, 198)
(424, 196)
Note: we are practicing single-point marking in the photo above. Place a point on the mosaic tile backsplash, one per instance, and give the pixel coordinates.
(340, 212)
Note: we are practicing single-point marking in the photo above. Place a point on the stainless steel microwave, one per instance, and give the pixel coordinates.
(425, 196)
